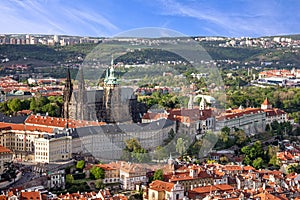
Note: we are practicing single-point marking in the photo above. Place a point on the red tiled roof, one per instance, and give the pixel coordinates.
(158, 185)
(4, 149)
(248, 168)
(56, 122)
(106, 166)
(232, 168)
(30, 195)
(22, 127)
(267, 196)
(212, 188)
(274, 112)
(231, 114)
(266, 102)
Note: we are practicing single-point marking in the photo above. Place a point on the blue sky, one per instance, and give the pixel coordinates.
(232, 18)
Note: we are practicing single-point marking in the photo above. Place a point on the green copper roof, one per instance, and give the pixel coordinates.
(110, 78)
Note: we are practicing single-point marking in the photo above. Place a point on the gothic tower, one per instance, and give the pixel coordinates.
(68, 90)
(81, 112)
(111, 97)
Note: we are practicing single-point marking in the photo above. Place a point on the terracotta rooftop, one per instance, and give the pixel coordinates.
(4, 149)
(266, 102)
(161, 186)
(22, 127)
(56, 122)
(30, 196)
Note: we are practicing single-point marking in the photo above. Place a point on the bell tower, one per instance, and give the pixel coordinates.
(111, 94)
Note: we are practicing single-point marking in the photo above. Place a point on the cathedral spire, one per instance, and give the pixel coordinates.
(110, 79)
(82, 98)
(68, 90)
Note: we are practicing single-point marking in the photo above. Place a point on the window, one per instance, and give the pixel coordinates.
(177, 196)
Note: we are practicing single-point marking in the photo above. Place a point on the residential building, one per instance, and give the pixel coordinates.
(19, 138)
(52, 148)
(112, 173)
(56, 180)
(191, 177)
(160, 190)
(132, 174)
(209, 191)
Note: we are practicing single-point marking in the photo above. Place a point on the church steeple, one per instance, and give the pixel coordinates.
(82, 98)
(266, 104)
(68, 90)
(202, 105)
(110, 79)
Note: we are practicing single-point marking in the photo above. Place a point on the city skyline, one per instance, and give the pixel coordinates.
(101, 18)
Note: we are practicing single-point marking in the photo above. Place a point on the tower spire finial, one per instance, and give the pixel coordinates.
(112, 60)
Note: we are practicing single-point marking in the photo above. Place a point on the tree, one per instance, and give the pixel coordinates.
(180, 146)
(97, 172)
(293, 168)
(223, 159)
(134, 151)
(69, 179)
(132, 144)
(99, 184)
(140, 155)
(258, 163)
(246, 150)
(33, 105)
(15, 105)
(274, 161)
(160, 153)
(225, 130)
(240, 136)
(247, 160)
(158, 175)
(80, 165)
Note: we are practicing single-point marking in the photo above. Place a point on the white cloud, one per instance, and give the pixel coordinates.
(52, 17)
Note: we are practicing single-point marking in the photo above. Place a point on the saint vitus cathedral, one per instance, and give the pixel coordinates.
(111, 104)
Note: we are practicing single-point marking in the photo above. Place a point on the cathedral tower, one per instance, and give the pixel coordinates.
(68, 90)
(111, 98)
(81, 113)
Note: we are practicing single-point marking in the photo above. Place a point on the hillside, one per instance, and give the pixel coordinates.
(40, 55)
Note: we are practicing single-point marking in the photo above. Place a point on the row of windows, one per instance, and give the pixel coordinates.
(41, 153)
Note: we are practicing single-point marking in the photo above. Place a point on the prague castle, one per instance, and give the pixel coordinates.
(111, 104)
